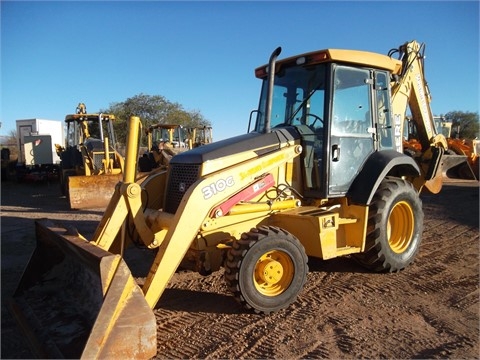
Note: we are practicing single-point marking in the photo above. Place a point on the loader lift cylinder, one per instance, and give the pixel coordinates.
(132, 149)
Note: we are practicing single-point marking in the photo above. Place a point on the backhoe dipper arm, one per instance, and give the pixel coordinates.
(410, 88)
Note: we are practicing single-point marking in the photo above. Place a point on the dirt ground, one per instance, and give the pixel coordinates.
(429, 310)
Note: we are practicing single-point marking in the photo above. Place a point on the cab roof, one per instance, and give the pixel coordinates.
(356, 57)
(88, 117)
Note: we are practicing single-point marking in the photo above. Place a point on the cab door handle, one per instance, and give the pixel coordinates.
(335, 152)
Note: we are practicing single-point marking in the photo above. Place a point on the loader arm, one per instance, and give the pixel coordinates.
(125, 202)
(177, 231)
(179, 237)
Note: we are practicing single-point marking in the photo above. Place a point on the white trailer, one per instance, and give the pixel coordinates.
(36, 139)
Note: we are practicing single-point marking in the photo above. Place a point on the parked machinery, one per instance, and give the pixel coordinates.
(166, 140)
(90, 164)
(199, 136)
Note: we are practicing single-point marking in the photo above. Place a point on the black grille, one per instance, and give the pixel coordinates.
(181, 177)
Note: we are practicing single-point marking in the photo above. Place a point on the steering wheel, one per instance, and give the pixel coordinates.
(315, 117)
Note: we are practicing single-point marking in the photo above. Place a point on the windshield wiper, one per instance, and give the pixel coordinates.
(302, 104)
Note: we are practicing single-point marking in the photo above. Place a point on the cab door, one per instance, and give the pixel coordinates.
(351, 128)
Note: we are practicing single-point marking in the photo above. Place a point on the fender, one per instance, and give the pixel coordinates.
(378, 165)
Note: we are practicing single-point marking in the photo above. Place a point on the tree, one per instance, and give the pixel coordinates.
(10, 142)
(152, 109)
(464, 124)
(12, 137)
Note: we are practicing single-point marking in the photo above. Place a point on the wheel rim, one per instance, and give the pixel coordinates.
(400, 227)
(273, 273)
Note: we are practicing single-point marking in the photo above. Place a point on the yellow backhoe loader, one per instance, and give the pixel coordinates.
(199, 136)
(164, 141)
(90, 164)
(167, 140)
(322, 174)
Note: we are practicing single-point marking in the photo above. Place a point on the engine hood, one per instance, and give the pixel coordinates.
(228, 152)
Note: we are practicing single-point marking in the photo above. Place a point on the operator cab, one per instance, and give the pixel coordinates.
(81, 127)
(88, 131)
(340, 110)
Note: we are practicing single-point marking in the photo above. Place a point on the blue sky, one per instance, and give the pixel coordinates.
(202, 55)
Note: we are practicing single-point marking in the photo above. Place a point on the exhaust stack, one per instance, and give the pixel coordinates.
(271, 79)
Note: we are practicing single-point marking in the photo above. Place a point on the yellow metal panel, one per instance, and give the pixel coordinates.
(153, 184)
(305, 227)
(366, 58)
(358, 57)
(326, 233)
(112, 220)
(328, 241)
(353, 219)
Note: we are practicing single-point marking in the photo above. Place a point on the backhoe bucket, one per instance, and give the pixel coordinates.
(90, 192)
(457, 167)
(76, 300)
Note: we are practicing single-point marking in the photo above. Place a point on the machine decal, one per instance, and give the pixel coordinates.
(217, 187)
(397, 120)
(423, 102)
(254, 170)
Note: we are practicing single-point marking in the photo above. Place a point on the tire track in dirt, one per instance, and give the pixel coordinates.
(426, 278)
(448, 327)
(283, 326)
(243, 334)
(320, 308)
(429, 310)
(189, 311)
(469, 301)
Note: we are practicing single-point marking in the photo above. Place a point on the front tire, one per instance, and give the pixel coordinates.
(395, 226)
(266, 269)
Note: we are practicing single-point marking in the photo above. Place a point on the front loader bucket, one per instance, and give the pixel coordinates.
(90, 192)
(457, 167)
(76, 300)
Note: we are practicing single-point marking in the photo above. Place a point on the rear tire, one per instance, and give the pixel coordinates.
(395, 226)
(266, 269)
